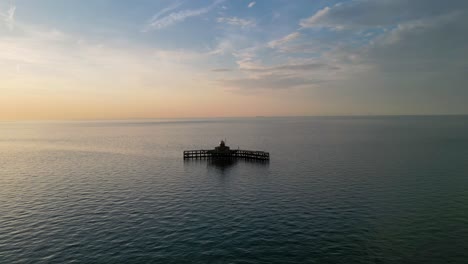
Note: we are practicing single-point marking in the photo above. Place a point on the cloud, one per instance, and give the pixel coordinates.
(221, 70)
(314, 20)
(251, 4)
(297, 74)
(296, 67)
(252, 73)
(410, 50)
(414, 64)
(369, 13)
(419, 50)
(235, 21)
(432, 45)
(9, 17)
(166, 10)
(273, 81)
(159, 21)
(284, 40)
(246, 58)
(231, 43)
(411, 37)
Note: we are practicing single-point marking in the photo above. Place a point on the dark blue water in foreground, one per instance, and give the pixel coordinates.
(337, 190)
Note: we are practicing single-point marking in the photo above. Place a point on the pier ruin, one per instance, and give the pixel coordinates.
(223, 151)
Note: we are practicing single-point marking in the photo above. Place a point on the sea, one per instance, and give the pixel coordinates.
(362, 189)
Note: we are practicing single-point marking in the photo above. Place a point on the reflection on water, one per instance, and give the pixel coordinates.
(224, 165)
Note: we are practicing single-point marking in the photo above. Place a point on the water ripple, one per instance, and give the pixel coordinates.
(336, 191)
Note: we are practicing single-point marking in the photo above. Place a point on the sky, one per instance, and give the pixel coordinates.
(118, 59)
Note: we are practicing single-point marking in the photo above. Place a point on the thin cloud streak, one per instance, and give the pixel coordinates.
(235, 21)
(270, 82)
(9, 17)
(296, 67)
(357, 15)
(166, 10)
(284, 40)
(221, 70)
(158, 22)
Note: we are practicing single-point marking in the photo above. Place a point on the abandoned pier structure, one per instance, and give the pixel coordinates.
(223, 151)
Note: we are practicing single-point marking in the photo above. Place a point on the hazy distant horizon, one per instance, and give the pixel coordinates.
(230, 117)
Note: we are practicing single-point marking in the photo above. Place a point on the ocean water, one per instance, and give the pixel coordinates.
(336, 190)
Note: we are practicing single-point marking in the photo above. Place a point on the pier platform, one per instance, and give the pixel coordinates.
(223, 151)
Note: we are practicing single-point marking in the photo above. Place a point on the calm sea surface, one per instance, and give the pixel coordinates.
(336, 190)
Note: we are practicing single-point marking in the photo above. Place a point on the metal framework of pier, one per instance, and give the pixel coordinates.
(246, 154)
(223, 151)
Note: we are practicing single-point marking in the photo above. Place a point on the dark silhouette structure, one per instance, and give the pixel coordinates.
(223, 151)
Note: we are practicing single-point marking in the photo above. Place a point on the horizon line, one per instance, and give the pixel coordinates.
(226, 117)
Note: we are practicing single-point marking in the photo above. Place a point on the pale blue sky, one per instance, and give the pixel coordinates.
(275, 57)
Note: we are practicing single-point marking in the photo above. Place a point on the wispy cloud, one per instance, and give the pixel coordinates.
(275, 81)
(315, 18)
(230, 44)
(357, 15)
(284, 40)
(235, 21)
(166, 10)
(9, 17)
(221, 70)
(251, 4)
(294, 74)
(296, 67)
(159, 21)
